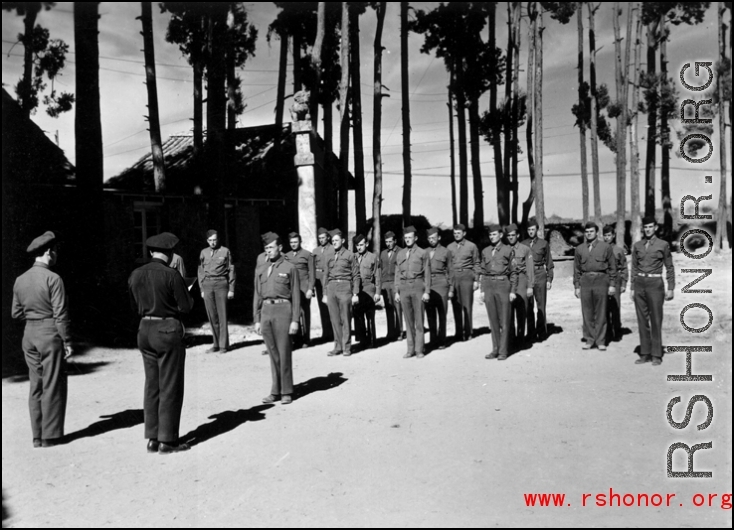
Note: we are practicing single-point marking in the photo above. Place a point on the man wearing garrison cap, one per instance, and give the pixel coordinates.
(614, 304)
(40, 300)
(393, 311)
(648, 290)
(594, 279)
(543, 269)
(523, 263)
(499, 285)
(437, 306)
(465, 271)
(216, 280)
(341, 281)
(159, 295)
(412, 290)
(302, 260)
(369, 293)
(277, 304)
(321, 256)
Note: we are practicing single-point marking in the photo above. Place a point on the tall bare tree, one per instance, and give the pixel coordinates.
(636, 222)
(405, 114)
(316, 61)
(380, 8)
(594, 114)
(344, 122)
(538, 115)
(355, 10)
(582, 127)
(620, 70)
(515, 116)
(282, 66)
(154, 123)
(216, 111)
(721, 214)
(530, 74)
(452, 155)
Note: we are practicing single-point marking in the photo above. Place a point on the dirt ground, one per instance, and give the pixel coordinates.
(377, 440)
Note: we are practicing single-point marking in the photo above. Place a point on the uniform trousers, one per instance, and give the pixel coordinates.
(275, 322)
(437, 309)
(497, 301)
(411, 300)
(520, 310)
(215, 299)
(463, 303)
(304, 320)
(326, 332)
(649, 299)
(339, 298)
(537, 323)
(393, 311)
(44, 355)
(594, 291)
(364, 315)
(614, 318)
(164, 358)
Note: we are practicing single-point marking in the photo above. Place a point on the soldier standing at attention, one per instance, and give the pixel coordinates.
(277, 303)
(413, 289)
(499, 285)
(369, 294)
(523, 263)
(321, 256)
(594, 278)
(437, 307)
(614, 304)
(216, 280)
(39, 298)
(648, 291)
(465, 274)
(262, 259)
(302, 260)
(159, 295)
(543, 263)
(341, 281)
(393, 312)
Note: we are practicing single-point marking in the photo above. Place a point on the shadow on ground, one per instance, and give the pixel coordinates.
(5, 510)
(72, 369)
(112, 422)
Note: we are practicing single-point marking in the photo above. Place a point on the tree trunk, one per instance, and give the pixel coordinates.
(528, 203)
(651, 125)
(582, 127)
(376, 125)
(216, 108)
(231, 89)
(198, 67)
(463, 175)
(29, 22)
(407, 172)
(667, 233)
(499, 176)
(594, 111)
(621, 138)
(636, 222)
(296, 38)
(476, 169)
(360, 198)
(539, 196)
(721, 214)
(452, 155)
(344, 122)
(316, 65)
(282, 66)
(159, 169)
(504, 212)
(515, 110)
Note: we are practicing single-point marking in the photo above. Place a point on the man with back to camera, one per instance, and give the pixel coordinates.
(465, 272)
(594, 279)
(648, 290)
(39, 298)
(412, 290)
(543, 271)
(499, 285)
(614, 304)
(341, 281)
(216, 280)
(159, 295)
(321, 256)
(393, 311)
(523, 264)
(302, 260)
(437, 307)
(369, 294)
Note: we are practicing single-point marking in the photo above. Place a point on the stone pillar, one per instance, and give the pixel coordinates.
(304, 162)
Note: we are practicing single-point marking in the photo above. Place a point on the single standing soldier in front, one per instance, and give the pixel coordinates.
(216, 280)
(303, 261)
(369, 294)
(321, 256)
(159, 294)
(648, 291)
(465, 276)
(341, 281)
(437, 307)
(39, 298)
(523, 263)
(614, 304)
(393, 311)
(543, 263)
(277, 304)
(499, 285)
(413, 289)
(594, 278)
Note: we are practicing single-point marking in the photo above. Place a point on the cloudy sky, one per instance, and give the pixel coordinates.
(124, 98)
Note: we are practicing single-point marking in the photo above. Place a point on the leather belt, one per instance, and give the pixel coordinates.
(39, 320)
(496, 277)
(594, 272)
(649, 275)
(539, 266)
(336, 280)
(319, 270)
(153, 317)
(276, 301)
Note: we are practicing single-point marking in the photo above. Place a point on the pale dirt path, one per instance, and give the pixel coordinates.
(449, 440)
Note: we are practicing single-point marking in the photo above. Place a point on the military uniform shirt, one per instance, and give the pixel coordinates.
(622, 272)
(413, 263)
(39, 294)
(388, 262)
(343, 266)
(216, 263)
(158, 290)
(541, 254)
(281, 283)
(177, 263)
(499, 264)
(440, 261)
(303, 261)
(369, 270)
(599, 259)
(650, 260)
(465, 256)
(523, 262)
(321, 257)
